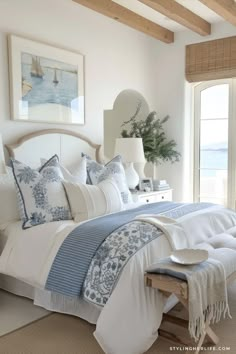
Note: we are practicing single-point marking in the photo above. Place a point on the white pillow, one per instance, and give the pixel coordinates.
(77, 175)
(8, 200)
(89, 201)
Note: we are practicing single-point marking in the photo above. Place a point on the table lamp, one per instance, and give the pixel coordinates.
(131, 150)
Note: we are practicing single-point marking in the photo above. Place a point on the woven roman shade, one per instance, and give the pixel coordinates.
(211, 60)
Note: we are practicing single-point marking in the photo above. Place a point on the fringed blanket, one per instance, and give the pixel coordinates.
(207, 291)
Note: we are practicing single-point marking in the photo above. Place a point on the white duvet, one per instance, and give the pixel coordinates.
(129, 321)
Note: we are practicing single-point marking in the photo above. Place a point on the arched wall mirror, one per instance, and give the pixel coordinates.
(124, 107)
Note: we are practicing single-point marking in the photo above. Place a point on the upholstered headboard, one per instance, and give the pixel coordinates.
(68, 145)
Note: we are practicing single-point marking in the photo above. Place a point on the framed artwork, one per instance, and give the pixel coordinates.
(145, 184)
(47, 83)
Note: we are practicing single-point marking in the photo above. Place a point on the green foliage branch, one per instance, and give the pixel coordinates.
(157, 148)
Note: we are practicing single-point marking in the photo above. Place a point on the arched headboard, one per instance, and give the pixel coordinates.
(68, 145)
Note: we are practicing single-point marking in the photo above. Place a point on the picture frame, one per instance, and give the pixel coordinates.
(46, 83)
(145, 184)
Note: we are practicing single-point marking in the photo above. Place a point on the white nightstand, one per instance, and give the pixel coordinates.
(152, 197)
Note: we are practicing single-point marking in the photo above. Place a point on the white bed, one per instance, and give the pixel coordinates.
(41, 297)
(11, 284)
(68, 145)
(27, 239)
(129, 321)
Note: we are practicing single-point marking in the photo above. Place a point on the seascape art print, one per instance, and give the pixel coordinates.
(47, 83)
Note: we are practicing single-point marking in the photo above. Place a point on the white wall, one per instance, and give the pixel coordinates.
(116, 57)
(174, 97)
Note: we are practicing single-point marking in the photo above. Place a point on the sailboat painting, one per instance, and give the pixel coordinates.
(47, 83)
(52, 82)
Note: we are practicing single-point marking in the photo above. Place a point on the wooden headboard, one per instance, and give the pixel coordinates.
(68, 145)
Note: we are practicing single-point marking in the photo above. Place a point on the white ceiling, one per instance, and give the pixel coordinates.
(194, 5)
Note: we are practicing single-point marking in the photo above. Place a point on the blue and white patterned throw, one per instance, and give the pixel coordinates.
(93, 255)
(73, 259)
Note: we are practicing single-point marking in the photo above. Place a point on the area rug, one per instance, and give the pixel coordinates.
(62, 334)
(17, 311)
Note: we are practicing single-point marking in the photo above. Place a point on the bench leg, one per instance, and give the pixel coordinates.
(200, 343)
(212, 336)
(183, 323)
(209, 332)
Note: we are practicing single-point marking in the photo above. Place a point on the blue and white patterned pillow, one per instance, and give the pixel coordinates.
(113, 169)
(41, 194)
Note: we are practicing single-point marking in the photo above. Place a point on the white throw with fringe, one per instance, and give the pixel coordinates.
(207, 291)
(206, 281)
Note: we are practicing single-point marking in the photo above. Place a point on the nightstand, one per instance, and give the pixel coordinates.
(152, 197)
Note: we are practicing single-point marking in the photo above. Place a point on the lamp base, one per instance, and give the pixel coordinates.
(139, 168)
(132, 177)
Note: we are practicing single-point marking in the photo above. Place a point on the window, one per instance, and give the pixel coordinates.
(214, 158)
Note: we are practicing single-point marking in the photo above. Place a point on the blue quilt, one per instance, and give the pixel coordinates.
(92, 256)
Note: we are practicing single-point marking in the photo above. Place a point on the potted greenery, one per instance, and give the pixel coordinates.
(157, 148)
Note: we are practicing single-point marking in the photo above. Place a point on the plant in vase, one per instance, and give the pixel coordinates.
(157, 148)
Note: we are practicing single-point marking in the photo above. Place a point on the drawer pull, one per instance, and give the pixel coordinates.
(147, 200)
(162, 197)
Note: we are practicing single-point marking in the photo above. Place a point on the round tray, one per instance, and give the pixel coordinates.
(188, 256)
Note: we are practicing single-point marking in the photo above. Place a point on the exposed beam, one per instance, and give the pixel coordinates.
(180, 14)
(224, 8)
(129, 18)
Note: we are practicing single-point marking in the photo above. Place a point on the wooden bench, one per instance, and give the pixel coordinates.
(170, 285)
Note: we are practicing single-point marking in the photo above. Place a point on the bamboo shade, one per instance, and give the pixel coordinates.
(211, 60)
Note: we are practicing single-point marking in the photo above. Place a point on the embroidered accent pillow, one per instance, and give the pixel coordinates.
(77, 175)
(41, 194)
(113, 169)
(88, 201)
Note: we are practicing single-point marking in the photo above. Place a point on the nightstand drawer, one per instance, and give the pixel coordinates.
(148, 199)
(152, 197)
(167, 195)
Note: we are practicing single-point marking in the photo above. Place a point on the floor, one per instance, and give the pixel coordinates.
(17, 311)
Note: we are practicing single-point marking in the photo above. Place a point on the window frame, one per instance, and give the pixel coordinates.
(231, 183)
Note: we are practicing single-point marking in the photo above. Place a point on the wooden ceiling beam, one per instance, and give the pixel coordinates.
(180, 14)
(224, 8)
(129, 18)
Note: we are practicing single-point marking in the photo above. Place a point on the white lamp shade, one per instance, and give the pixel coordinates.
(2, 158)
(131, 149)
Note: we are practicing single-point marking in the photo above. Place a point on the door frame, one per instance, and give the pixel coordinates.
(231, 186)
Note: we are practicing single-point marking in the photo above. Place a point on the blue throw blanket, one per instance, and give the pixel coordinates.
(117, 250)
(93, 242)
(73, 259)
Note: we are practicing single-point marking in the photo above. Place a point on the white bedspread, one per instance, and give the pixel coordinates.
(129, 321)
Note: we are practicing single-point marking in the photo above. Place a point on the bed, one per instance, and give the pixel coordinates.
(46, 143)
(127, 313)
